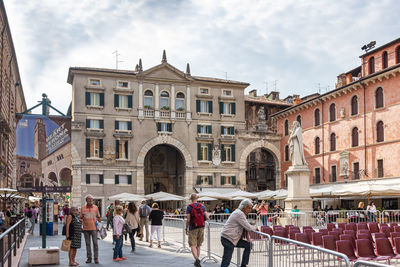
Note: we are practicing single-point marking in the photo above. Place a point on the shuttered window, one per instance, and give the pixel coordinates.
(317, 119)
(354, 105)
(332, 112)
(286, 153)
(332, 142)
(286, 127)
(384, 60)
(354, 137)
(371, 65)
(317, 145)
(380, 132)
(379, 98)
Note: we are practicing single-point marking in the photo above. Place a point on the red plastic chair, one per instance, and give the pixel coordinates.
(255, 236)
(351, 226)
(340, 230)
(267, 230)
(373, 227)
(365, 250)
(350, 238)
(382, 225)
(365, 236)
(345, 247)
(335, 234)
(278, 227)
(330, 226)
(306, 227)
(323, 231)
(350, 232)
(293, 232)
(309, 232)
(342, 226)
(392, 226)
(384, 250)
(302, 237)
(280, 233)
(316, 239)
(393, 236)
(396, 229)
(288, 226)
(364, 231)
(379, 235)
(362, 226)
(386, 230)
(397, 245)
(329, 242)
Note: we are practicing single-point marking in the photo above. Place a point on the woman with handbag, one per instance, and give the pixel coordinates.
(73, 233)
(132, 220)
(118, 225)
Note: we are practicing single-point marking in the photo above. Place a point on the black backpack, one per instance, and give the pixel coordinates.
(29, 214)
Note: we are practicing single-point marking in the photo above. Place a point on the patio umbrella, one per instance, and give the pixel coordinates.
(168, 198)
(214, 195)
(207, 199)
(242, 194)
(126, 197)
(240, 198)
(160, 195)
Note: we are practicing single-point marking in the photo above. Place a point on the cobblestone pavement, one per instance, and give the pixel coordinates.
(143, 257)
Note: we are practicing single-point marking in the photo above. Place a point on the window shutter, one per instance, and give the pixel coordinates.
(233, 108)
(222, 130)
(129, 101)
(197, 105)
(129, 179)
(209, 129)
(116, 101)
(198, 181)
(87, 123)
(117, 149)
(116, 179)
(223, 155)
(101, 179)
(221, 107)
(210, 180)
(169, 127)
(233, 152)
(232, 130)
(87, 178)
(101, 147)
(87, 98)
(198, 128)
(222, 180)
(209, 152)
(198, 151)
(129, 125)
(102, 99)
(233, 179)
(101, 122)
(159, 126)
(210, 107)
(116, 125)
(126, 149)
(88, 148)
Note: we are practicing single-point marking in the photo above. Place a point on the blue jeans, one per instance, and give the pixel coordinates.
(264, 219)
(118, 247)
(132, 238)
(228, 251)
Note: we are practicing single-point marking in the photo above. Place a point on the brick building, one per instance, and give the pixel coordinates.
(351, 133)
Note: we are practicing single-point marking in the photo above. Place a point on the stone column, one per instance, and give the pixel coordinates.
(189, 183)
(157, 102)
(173, 101)
(188, 112)
(140, 100)
(140, 180)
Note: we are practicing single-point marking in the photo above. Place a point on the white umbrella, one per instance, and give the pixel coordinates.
(207, 199)
(240, 198)
(126, 197)
(214, 195)
(266, 195)
(161, 194)
(243, 194)
(168, 198)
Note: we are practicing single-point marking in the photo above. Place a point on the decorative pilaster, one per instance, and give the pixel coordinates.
(172, 101)
(188, 98)
(140, 181)
(140, 100)
(157, 102)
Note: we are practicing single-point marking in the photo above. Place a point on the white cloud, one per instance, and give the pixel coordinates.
(298, 43)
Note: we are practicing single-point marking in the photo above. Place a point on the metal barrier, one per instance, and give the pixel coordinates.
(175, 230)
(10, 241)
(369, 264)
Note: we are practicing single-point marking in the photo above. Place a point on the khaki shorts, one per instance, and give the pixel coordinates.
(196, 237)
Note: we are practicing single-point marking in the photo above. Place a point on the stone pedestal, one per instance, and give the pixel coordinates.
(298, 179)
(44, 256)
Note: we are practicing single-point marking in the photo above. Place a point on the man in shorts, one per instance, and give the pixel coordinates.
(196, 216)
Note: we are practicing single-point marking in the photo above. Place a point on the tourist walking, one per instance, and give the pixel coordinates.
(361, 213)
(195, 221)
(133, 221)
(234, 229)
(110, 216)
(263, 211)
(73, 233)
(144, 212)
(90, 215)
(156, 216)
(29, 215)
(371, 209)
(118, 224)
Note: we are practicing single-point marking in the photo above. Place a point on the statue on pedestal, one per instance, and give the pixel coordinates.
(261, 115)
(296, 145)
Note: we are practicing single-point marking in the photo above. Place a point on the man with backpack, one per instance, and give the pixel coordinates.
(144, 212)
(28, 212)
(196, 216)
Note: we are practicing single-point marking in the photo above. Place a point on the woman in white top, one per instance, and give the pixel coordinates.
(371, 209)
(132, 220)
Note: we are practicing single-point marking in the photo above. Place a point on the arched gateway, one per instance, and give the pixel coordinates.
(155, 174)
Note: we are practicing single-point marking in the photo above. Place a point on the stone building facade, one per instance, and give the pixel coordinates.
(350, 134)
(159, 129)
(12, 101)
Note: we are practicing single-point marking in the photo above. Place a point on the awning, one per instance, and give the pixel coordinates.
(168, 198)
(207, 199)
(239, 194)
(163, 195)
(126, 197)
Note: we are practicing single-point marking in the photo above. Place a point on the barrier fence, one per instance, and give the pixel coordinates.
(368, 264)
(10, 241)
(174, 230)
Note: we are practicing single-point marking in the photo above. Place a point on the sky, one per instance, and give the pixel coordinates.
(293, 46)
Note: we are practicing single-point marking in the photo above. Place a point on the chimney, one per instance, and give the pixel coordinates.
(253, 92)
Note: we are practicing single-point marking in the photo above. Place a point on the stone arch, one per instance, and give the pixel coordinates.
(270, 148)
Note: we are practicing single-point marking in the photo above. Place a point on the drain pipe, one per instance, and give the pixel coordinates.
(365, 131)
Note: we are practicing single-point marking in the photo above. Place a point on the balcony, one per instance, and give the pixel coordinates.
(165, 113)
(148, 113)
(180, 115)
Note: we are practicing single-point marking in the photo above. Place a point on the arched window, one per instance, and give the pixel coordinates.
(148, 99)
(379, 98)
(354, 105)
(371, 65)
(286, 153)
(317, 120)
(299, 119)
(332, 112)
(180, 101)
(384, 60)
(380, 132)
(317, 145)
(286, 127)
(354, 137)
(398, 55)
(333, 142)
(164, 100)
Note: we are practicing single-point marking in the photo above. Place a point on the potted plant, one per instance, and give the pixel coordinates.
(165, 108)
(147, 107)
(180, 109)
